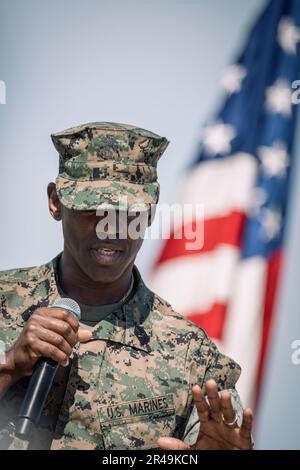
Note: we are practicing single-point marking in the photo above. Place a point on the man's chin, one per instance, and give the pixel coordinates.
(105, 274)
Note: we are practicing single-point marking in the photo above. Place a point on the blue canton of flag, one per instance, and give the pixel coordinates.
(258, 117)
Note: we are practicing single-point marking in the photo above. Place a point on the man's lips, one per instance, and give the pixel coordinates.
(107, 253)
(108, 245)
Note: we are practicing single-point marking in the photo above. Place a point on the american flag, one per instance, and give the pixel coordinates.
(242, 177)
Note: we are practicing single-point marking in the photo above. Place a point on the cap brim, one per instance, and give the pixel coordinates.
(105, 194)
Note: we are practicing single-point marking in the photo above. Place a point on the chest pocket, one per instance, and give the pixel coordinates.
(137, 424)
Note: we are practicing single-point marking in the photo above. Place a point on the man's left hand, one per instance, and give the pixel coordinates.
(218, 424)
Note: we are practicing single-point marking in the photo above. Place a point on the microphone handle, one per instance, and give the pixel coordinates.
(35, 397)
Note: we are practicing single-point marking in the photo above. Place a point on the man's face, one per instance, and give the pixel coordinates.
(88, 240)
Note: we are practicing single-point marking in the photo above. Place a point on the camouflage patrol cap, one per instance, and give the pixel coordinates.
(105, 164)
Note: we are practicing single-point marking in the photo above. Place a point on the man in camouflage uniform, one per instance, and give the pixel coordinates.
(133, 372)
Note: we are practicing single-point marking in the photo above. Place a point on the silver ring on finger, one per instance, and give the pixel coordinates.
(231, 424)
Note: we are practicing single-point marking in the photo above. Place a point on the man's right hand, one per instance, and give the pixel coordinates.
(49, 332)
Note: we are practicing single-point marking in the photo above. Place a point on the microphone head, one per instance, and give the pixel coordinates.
(68, 304)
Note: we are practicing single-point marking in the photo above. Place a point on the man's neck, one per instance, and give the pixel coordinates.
(78, 286)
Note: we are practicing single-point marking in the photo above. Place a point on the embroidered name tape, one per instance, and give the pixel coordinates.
(155, 406)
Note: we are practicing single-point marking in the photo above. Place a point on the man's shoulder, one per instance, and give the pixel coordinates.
(22, 288)
(173, 320)
(28, 274)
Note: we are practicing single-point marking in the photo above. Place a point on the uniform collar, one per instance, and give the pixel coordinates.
(128, 325)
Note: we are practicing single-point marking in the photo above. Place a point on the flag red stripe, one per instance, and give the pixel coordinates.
(212, 321)
(220, 230)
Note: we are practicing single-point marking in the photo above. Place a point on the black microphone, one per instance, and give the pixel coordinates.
(40, 382)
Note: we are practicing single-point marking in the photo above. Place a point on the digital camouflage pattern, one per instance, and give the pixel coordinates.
(127, 386)
(108, 164)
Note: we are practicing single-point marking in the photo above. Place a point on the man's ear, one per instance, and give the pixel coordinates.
(53, 202)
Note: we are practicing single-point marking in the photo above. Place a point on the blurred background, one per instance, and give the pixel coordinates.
(156, 64)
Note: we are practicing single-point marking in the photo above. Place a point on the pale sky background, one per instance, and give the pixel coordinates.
(153, 63)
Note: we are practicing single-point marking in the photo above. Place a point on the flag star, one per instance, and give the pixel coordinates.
(275, 159)
(233, 77)
(217, 137)
(279, 98)
(288, 35)
(270, 220)
(258, 197)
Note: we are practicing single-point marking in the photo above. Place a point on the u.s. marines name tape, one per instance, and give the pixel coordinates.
(154, 406)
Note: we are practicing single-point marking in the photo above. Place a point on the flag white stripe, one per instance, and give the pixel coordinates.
(221, 185)
(244, 323)
(195, 282)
